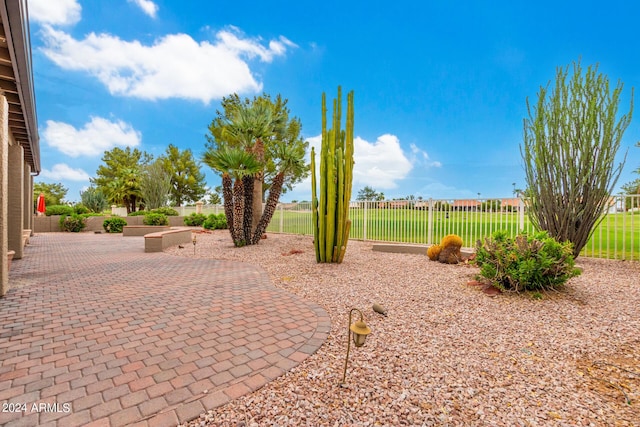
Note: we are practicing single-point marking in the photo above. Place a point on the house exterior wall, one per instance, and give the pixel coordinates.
(4, 193)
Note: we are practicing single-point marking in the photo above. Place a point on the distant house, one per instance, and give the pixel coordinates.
(466, 205)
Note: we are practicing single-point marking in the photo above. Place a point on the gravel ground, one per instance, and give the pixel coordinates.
(446, 354)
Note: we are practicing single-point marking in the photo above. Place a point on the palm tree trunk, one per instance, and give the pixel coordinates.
(238, 213)
(270, 207)
(247, 229)
(227, 195)
(258, 178)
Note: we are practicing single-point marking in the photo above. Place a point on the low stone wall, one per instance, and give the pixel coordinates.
(400, 248)
(157, 242)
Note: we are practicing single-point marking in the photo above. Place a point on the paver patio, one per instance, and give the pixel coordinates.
(104, 334)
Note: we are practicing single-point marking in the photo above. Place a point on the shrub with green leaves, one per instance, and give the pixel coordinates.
(59, 210)
(73, 223)
(114, 225)
(195, 219)
(80, 209)
(216, 222)
(166, 211)
(155, 219)
(526, 262)
(138, 213)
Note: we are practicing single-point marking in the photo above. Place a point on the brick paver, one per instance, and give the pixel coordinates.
(94, 330)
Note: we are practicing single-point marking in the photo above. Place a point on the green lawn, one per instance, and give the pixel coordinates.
(618, 236)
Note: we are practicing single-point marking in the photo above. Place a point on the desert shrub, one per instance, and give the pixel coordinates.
(73, 223)
(114, 225)
(165, 211)
(526, 262)
(195, 219)
(138, 213)
(59, 210)
(215, 222)
(80, 209)
(155, 219)
(94, 199)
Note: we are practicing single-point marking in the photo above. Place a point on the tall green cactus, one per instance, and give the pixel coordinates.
(331, 213)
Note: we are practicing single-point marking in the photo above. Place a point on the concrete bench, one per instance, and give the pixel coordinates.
(160, 240)
(142, 230)
(400, 248)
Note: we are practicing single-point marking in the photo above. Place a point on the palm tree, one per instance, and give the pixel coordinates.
(234, 164)
(248, 127)
(291, 162)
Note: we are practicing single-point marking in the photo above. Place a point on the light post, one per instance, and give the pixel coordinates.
(359, 331)
(194, 241)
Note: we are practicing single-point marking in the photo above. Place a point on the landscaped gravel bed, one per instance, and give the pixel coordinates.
(446, 354)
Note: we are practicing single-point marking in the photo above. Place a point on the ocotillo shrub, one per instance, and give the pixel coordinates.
(525, 263)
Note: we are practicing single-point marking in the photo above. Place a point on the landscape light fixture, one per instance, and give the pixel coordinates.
(194, 239)
(359, 331)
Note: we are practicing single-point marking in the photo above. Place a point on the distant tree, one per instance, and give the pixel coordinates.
(155, 185)
(214, 198)
(54, 194)
(188, 183)
(94, 199)
(633, 187)
(118, 177)
(369, 194)
(570, 142)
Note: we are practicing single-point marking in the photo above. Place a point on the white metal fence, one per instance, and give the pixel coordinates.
(427, 221)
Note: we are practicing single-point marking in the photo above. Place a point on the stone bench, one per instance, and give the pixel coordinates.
(160, 240)
(142, 230)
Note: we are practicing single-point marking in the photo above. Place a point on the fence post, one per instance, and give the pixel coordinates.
(520, 215)
(430, 223)
(364, 220)
(281, 217)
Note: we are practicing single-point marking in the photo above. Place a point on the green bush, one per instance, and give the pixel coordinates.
(59, 210)
(114, 225)
(155, 219)
(215, 222)
(80, 209)
(525, 263)
(195, 219)
(165, 211)
(73, 223)
(138, 213)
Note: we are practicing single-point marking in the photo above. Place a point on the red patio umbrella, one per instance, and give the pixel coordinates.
(40, 204)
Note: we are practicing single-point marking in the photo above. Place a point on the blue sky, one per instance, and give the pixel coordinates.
(440, 87)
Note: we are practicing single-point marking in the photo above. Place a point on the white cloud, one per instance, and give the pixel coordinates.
(62, 172)
(174, 66)
(422, 158)
(380, 164)
(54, 12)
(147, 6)
(93, 139)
